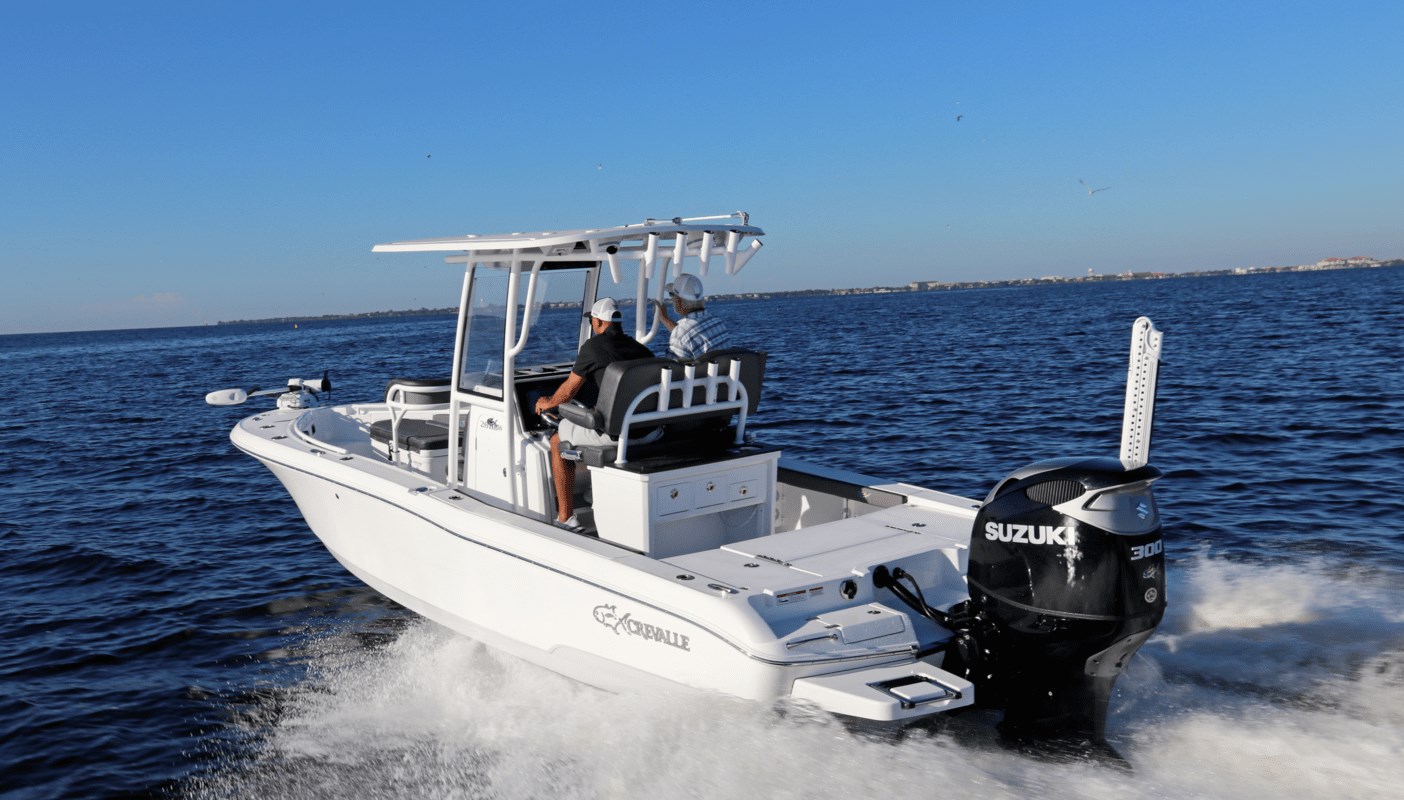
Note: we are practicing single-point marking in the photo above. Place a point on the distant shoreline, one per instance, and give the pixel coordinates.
(914, 286)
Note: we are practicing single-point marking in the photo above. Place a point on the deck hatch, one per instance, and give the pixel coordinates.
(862, 623)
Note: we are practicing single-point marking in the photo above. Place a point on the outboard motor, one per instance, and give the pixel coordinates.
(1066, 577)
(1067, 574)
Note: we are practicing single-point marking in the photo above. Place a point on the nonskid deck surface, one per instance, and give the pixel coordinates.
(795, 567)
(344, 429)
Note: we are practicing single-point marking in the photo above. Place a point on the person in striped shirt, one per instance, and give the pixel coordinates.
(695, 331)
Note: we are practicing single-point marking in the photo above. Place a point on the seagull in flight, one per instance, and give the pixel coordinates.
(1090, 190)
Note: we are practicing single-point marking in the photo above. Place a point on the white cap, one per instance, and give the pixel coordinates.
(687, 286)
(606, 309)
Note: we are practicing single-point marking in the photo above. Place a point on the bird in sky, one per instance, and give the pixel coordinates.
(1090, 190)
(959, 117)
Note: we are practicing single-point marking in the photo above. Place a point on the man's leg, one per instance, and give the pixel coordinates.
(563, 472)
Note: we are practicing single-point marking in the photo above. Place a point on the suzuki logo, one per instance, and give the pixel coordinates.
(1143, 509)
(1030, 534)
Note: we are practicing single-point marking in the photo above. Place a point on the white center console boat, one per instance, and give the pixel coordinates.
(709, 559)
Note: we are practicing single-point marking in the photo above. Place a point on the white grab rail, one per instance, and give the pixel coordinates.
(394, 400)
(735, 399)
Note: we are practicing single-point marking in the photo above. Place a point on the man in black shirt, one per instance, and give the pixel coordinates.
(608, 345)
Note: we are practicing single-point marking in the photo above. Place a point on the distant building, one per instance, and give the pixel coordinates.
(1336, 262)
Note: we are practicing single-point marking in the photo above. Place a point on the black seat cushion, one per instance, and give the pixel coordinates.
(415, 435)
(692, 446)
(625, 380)
(703, 433)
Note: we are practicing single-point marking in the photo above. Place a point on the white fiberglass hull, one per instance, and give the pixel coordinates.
(586, 609)
(532, 609)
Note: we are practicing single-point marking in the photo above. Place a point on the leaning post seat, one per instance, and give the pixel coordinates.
(639, 395)
(403, 395)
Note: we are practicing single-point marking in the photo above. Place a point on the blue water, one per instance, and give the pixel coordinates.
(173, 628)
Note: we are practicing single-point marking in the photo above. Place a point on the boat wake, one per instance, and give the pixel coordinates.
(1262, 681)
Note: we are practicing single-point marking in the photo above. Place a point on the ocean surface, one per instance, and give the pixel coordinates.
(172, 628)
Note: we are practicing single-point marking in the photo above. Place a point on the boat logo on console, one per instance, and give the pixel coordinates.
(609, 616)
(1029, 534)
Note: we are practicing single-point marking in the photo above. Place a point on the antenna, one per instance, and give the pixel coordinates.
(1141, 376)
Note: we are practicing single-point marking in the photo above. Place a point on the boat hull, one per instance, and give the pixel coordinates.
(536, 611)
(561, 614)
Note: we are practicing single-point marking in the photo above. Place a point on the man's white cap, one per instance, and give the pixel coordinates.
(687, 286)
(606, 309)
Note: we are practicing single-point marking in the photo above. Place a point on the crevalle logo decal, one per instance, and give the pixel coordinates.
(609, 616)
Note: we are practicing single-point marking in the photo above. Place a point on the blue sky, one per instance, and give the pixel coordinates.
(174, 163)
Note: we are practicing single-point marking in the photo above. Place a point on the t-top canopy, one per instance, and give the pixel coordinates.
(645, 242)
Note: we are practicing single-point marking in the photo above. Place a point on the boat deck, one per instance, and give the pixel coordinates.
(794, 567)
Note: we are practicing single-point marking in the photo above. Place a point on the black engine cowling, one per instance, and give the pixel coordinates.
(1067, 580)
